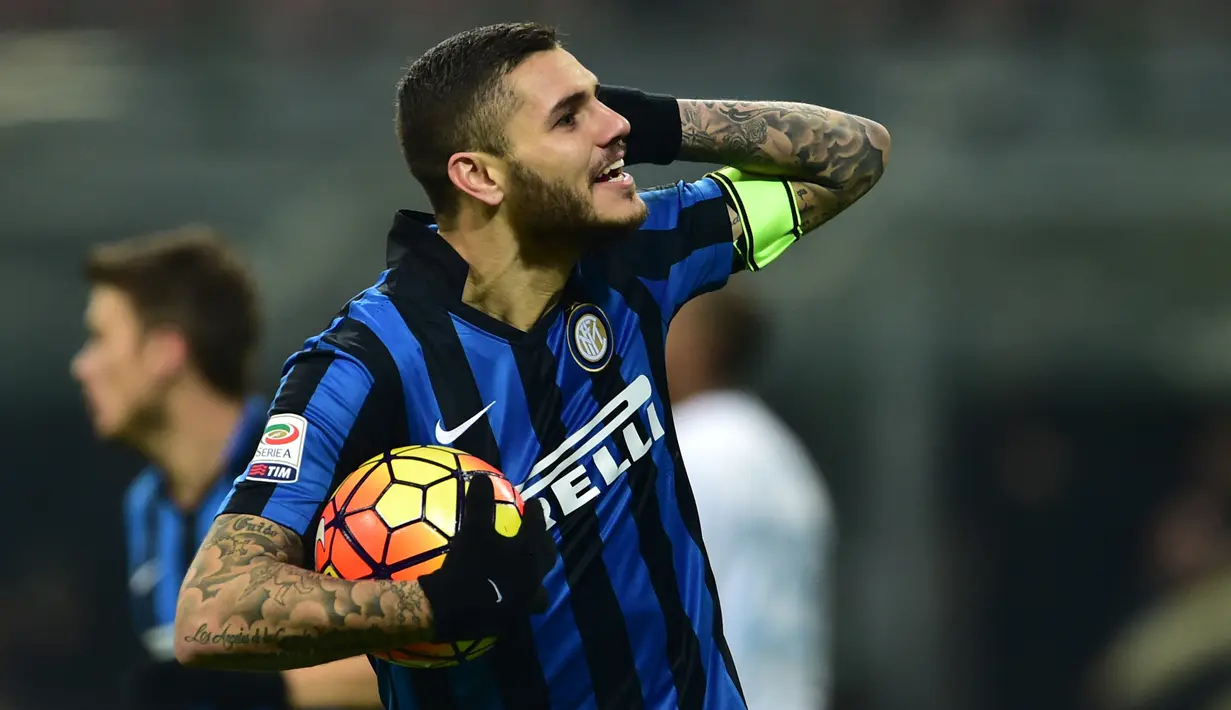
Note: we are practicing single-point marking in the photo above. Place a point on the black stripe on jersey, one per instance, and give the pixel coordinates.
(651, 253)
(448, 369)
(642, 302)
(600, 622)
(683, 649)
(515, 662)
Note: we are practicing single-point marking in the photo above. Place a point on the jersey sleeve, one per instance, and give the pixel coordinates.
(323, 423)
(684, 248)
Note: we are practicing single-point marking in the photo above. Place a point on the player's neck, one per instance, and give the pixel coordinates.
(190, 448)
(501, 282)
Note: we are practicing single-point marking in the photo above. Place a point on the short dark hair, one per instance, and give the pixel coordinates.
(190, 280)
(453, 99)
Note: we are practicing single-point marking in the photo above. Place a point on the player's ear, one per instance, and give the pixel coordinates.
(479, 175)
(166, 351)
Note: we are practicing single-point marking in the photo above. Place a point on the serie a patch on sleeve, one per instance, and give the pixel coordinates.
(280, 453)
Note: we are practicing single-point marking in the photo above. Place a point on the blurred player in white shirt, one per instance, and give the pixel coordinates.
(768, 522)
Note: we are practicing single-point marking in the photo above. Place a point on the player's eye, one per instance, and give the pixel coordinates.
(568, 120)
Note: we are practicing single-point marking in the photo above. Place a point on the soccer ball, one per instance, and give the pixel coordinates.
(393, 517)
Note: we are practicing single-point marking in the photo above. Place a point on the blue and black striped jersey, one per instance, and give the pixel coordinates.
(162, 539)
(575, 412)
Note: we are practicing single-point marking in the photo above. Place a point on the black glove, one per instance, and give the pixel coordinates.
(166, 685)
(656, 132)
(488, 580)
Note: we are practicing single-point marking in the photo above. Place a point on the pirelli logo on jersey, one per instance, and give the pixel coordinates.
(586, 463)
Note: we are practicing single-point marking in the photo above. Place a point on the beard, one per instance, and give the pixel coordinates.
(552, 218)
(147, 417)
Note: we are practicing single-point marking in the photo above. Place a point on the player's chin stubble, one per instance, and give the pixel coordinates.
(551, 217)
(146, 417)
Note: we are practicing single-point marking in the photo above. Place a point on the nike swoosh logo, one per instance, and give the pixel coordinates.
(499, 596)
(449, 436)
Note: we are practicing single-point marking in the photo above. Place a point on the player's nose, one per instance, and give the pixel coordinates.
(75, 365)
(616, 127)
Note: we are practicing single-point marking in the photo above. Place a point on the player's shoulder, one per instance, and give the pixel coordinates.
(666, 202)
(366, 330)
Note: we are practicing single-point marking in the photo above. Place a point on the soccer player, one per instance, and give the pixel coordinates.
(525, 323)
(172, 325)
(768, 521)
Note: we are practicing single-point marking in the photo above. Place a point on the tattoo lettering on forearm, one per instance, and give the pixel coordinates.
(280, 649)
(812, 212)
(262, 610)
(842, 153)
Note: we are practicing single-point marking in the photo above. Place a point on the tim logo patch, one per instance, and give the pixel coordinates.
(272, 472)
(279, 455)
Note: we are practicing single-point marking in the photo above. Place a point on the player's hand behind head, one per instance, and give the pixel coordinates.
(489, 580)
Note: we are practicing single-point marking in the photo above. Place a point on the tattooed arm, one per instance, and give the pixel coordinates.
(247, 604)
(831, 158)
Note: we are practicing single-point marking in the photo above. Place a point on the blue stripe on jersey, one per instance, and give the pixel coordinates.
(555, 638)
(378, 313)
(136, 502)
(689, 565)
(657, 682)
(616, 529)
(473, 684)
(495, 370)
(650, 657)
(171, 560)
(706, 267)
(665, 204)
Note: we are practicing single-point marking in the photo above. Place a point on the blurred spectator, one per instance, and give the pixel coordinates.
(1176, 653)
(769, 527)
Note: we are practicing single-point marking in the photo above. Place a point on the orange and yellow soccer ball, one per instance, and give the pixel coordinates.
(393, 518)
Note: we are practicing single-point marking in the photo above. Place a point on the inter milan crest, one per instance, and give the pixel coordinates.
(589, 337)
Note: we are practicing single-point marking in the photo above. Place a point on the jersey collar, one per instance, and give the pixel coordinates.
(416, 250)
(416, 246)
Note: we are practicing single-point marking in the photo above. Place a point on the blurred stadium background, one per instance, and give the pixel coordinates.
(1012, 359)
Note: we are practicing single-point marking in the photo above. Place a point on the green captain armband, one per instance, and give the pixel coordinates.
(767, 211)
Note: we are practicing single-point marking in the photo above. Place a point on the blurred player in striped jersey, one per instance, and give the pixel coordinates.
(173, 325)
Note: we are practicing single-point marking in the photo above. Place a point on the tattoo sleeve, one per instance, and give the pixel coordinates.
(835, 156)
(246, 603)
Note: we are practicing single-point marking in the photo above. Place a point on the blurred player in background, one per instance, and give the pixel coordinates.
(173, 325)
(525, 323)
(766, 513)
